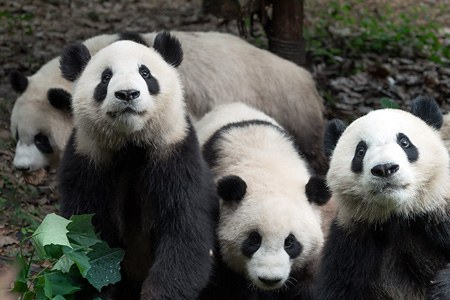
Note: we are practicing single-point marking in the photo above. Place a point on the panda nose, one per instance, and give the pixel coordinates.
(384, 170)
(23, 168)
(127, 95)
(269, 281)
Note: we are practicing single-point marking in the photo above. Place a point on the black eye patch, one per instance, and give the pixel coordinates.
(251, 244)
(42, 143)
(101, 90)
(411, 151)
(152, 83)
(292, 246)
(360, 152)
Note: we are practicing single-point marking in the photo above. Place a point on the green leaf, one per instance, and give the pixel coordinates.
(105, 265)
(80, 259)
(57, 283)
(63, 264)
(81, 231)
(51, 231)
(58, 297)
(20, 285)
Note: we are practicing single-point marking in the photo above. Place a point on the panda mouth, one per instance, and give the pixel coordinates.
(127, 110)
(390, 187)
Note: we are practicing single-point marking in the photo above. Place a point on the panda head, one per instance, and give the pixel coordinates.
(267, 238)
(389, 163)
(41, 117)
(127, 92)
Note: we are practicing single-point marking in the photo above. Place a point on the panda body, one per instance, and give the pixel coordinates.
(262, 181)
(134, 161)
(389, 174)
(218, 68)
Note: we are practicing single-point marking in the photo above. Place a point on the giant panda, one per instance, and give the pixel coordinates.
(389, 174)
(445, 130)
(269, 233)
(218, 68)
(133, 160)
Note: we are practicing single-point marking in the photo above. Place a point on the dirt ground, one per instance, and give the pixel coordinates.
(34, 31)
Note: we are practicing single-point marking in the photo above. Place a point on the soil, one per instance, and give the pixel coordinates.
(34, 31)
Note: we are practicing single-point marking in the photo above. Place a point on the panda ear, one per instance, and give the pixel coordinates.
(19, 82)
(60, 99)
(169, 47)
(428, 110)
(333, 132)
(317, 191)
(231, 188)
(74, 59)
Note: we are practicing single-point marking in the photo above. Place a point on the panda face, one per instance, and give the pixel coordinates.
(40, 129)
(388, 162)
(268, 237)
(128, 92)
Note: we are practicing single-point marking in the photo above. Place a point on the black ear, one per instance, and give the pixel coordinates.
(60, 99)
(333, 132)
(317, 191)
(231, 188)
(428, 110)
(19, 82)
(169, 47)
(74, 59)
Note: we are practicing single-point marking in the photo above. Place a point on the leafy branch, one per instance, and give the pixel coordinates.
(74, 257)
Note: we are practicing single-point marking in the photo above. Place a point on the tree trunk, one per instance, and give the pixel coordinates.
(285, 31)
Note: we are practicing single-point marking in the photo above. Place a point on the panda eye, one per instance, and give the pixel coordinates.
(404, 142)
(289, 241)
(360, 151)
(106, 76)
(42, 143)
(144, 71)
(254, 238)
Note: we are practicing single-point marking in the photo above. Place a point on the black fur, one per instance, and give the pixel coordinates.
(231, 188)
(292, 246)
(132, 36)
(101, 90)
(169, 47)
(333, 132)
(19, 82)
(317, 191)
(410, 149)
(163, 212)
(413, 250)
(42, 143)
(357, 161)
(210, 151)
(251, 244)
(152, 82)
(440, 286)
(73, 60)
(428, 110)
(60, 99)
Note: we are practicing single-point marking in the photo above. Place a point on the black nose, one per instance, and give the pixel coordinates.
(384, 170)
(127, 95)
(269, 281)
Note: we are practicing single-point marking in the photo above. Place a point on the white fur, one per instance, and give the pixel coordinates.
(217, 68)
(158, 120)
(275, 203)
(417, 187)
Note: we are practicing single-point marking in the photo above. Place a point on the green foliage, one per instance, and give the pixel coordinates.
(74, 257)
(352, 28)
(13, 21)
(388, 103)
